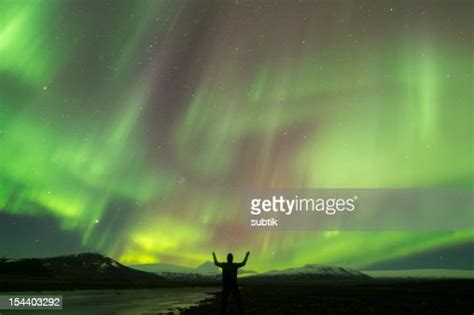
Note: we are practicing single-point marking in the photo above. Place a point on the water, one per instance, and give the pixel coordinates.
(122, 302)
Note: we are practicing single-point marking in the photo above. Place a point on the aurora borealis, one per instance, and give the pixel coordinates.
(133, 127)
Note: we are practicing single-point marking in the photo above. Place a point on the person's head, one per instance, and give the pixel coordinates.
(230, 257)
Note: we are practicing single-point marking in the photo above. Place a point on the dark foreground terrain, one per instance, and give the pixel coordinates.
(372, 297)
(310, 289)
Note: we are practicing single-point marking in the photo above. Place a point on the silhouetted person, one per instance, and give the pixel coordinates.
(229, 280)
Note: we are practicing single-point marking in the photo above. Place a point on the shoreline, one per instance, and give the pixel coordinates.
(380, 297)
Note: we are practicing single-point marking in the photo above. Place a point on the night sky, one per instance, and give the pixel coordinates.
(134, 128)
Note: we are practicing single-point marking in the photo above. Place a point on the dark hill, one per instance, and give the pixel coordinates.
(80, 271)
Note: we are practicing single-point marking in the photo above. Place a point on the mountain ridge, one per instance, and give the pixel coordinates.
(76, 271)
(205, 268)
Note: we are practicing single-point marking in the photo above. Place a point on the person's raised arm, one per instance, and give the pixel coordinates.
(218, 264)
(244, 261)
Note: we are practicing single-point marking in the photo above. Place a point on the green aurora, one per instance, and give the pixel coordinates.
(139, 124)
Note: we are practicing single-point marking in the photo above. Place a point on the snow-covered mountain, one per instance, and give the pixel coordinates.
(310, 272)
(207, 268)
(162, 267)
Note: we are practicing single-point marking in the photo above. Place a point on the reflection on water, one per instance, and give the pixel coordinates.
(123, 302)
